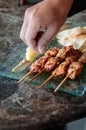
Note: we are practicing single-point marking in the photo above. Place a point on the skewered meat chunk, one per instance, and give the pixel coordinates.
(54, 61)
(82, 59)
(51, 52)
(53, 57)
(61, 69)
(64, 52)
(70, 59)
(74, 56)
(51, 64)
(74, 69)
(38, 65)
(77, 53)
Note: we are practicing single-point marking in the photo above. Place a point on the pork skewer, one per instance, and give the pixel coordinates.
(74, 70)
(62, 68)
(52, 62)
(58, 72)
(57, 88)
(49, 65)
(72, 74)
(24, 77)
(35, 76)
(38, 65)
(52, 52)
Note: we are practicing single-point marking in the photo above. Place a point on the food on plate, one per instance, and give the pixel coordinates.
(61, 69)
(51, 52)
(38, 65)
(42, 63)
(75, 37)
(69, 69)
(54, 61)
(50, 62)
(60, 62)
(66, 61)
(73, 71)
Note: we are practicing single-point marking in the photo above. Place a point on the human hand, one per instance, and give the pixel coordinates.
(48, 15)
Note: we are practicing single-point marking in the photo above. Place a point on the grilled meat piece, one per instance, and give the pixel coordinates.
(74, 56)
(76, 53)
(82, 59)
(51, 52)
(51, 64)
(54, 61)
(61, 69)
(74, 69)
(64, 52)
(48, 62)
(38, 65)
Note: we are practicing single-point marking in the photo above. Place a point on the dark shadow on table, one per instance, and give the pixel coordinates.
(7, 87)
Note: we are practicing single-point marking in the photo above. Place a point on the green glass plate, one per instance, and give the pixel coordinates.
(13, 53)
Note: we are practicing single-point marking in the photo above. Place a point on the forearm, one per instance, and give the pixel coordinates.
(63, 5)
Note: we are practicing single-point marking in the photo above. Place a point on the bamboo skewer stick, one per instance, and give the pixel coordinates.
(36, 76)
(41, 86)
(57, 88)
(24, 77)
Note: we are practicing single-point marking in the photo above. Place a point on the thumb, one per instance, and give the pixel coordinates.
(46, 38)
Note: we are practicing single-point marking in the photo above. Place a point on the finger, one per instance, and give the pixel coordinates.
(31, 33)
(46, 38)
(23, 31)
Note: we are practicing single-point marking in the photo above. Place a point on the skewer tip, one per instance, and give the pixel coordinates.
(41, 86)
(24, 77)
(35, 76)
(58, 87)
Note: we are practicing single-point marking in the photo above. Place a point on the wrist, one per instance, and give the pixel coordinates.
(61, 4)
(68, 2)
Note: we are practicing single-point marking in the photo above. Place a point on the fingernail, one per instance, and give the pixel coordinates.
(42, 49)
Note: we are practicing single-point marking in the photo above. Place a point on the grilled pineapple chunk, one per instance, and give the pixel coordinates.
(30, 54)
